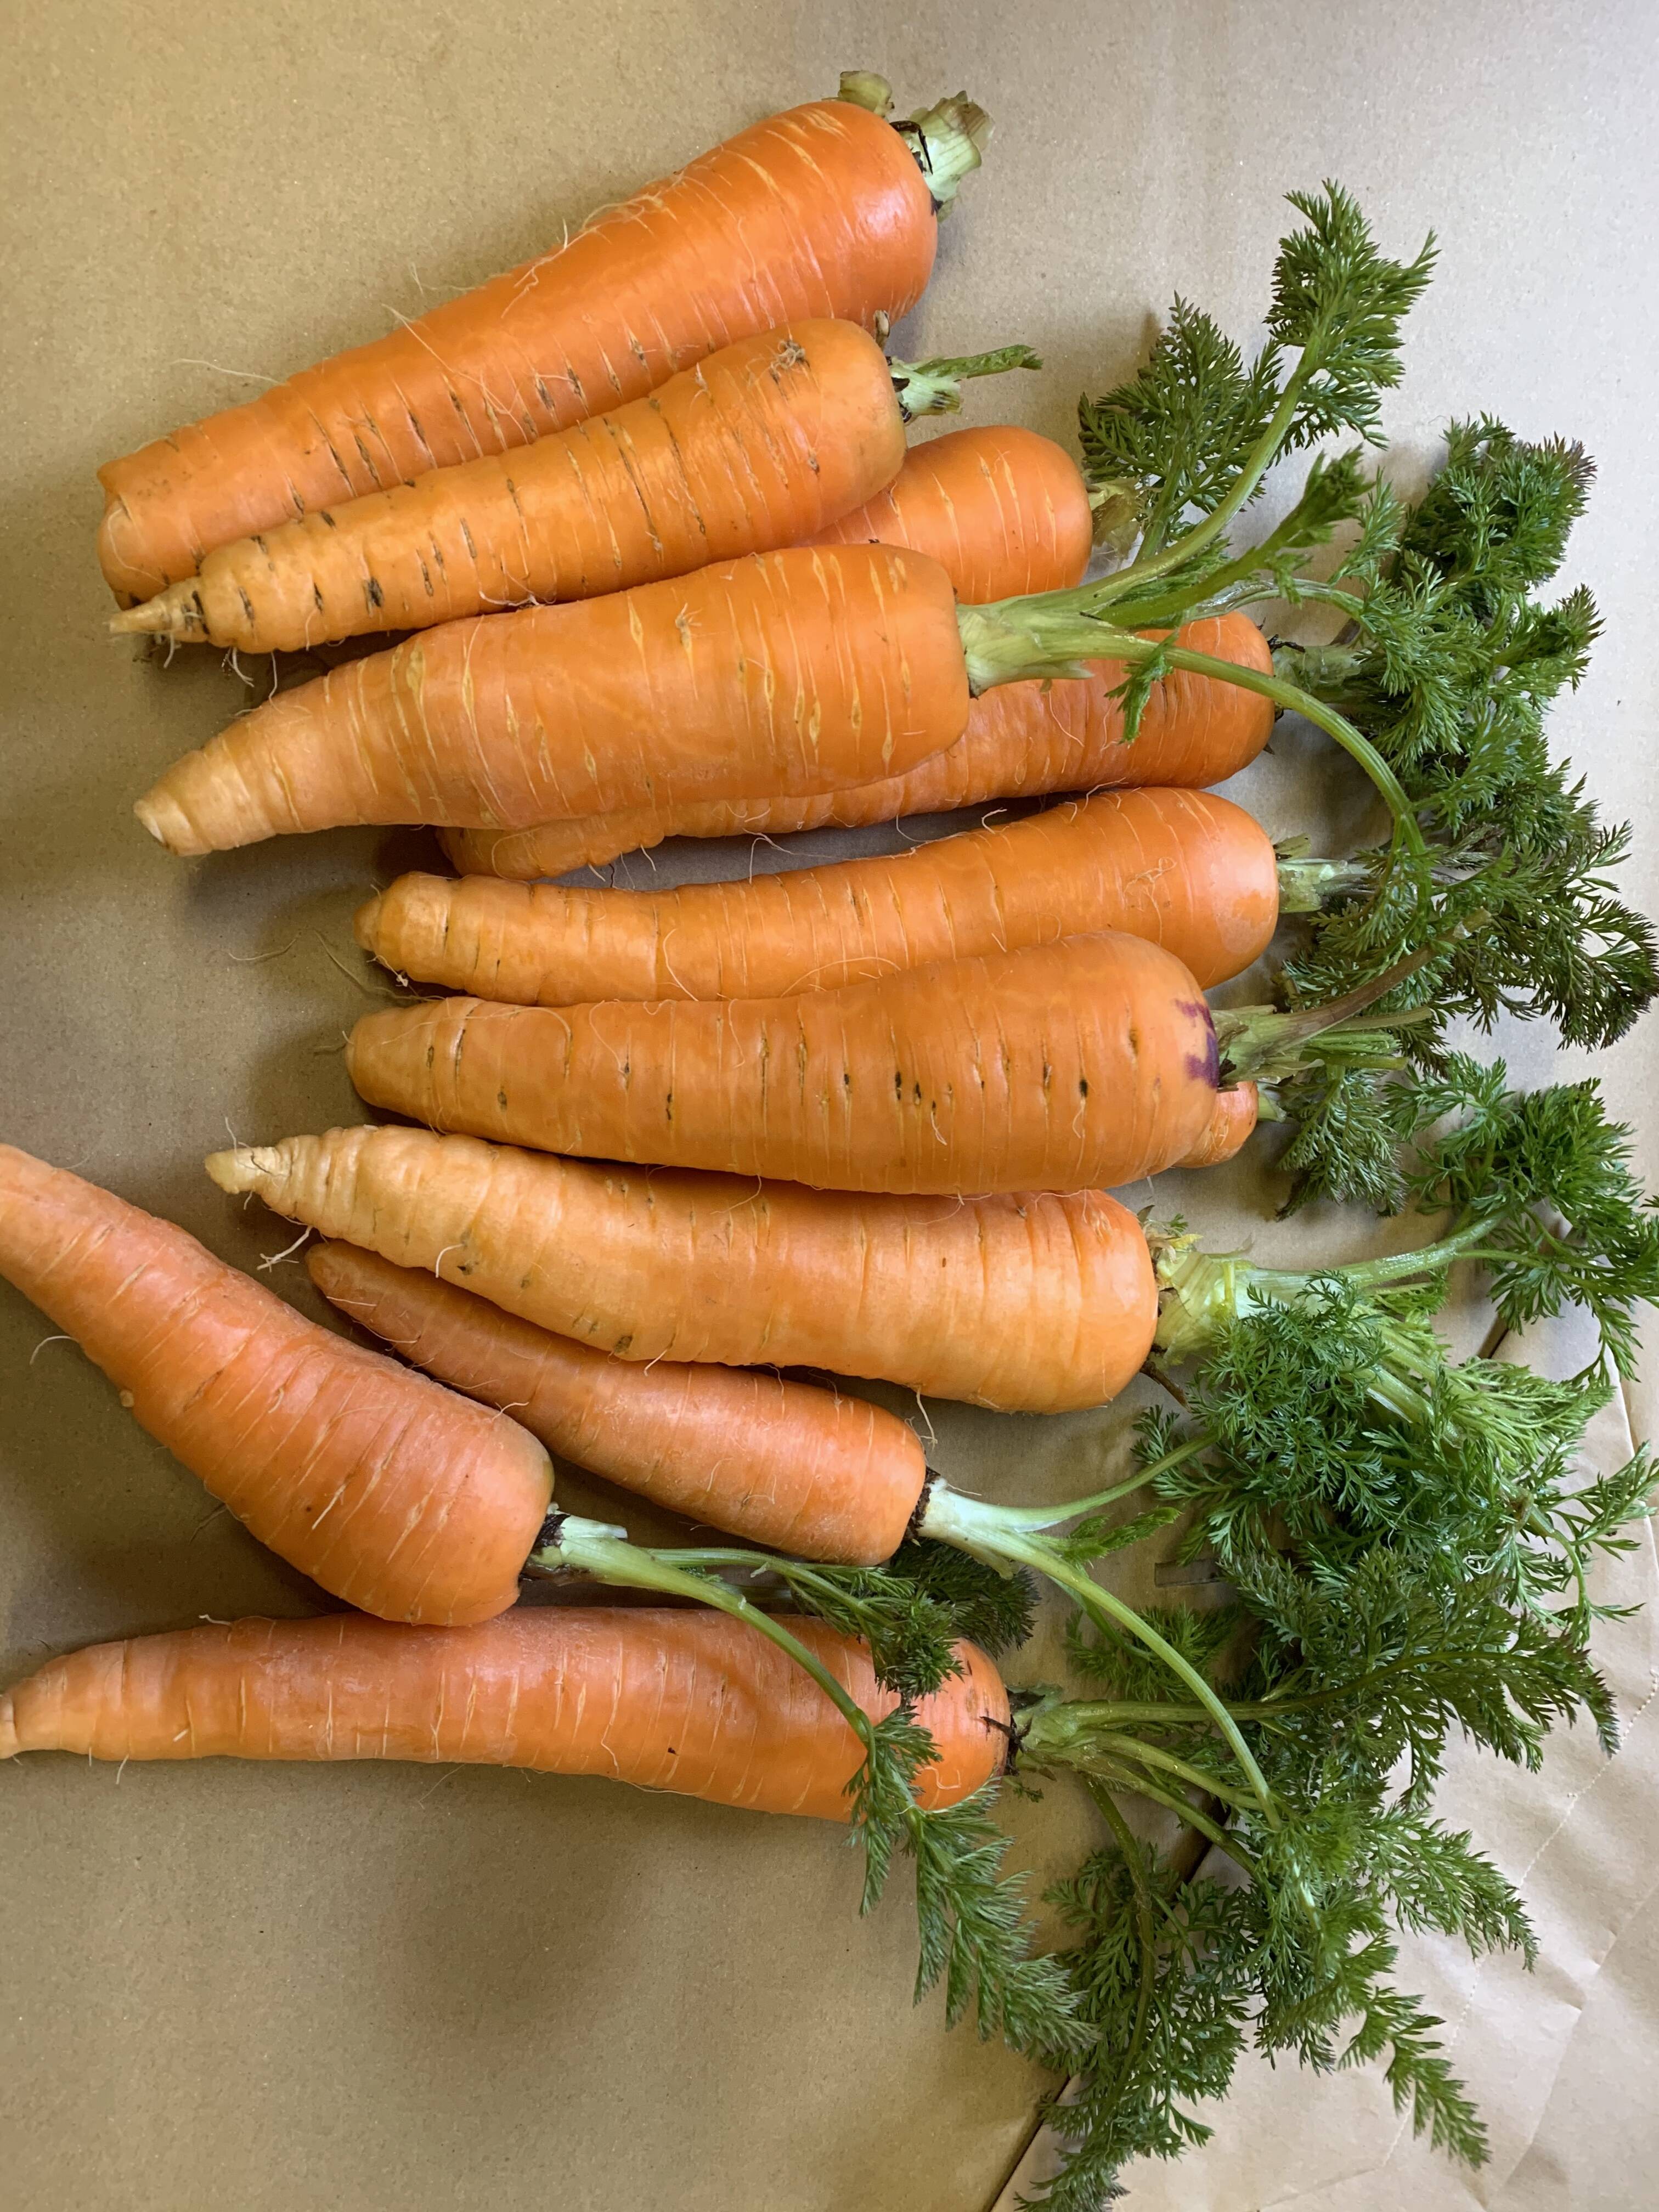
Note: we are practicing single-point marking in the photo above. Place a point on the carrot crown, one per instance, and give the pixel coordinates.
(947, 139)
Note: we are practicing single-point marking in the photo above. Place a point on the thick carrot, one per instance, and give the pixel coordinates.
(1035, 1304)
(1002, 510)
(1022, 741)
(806, 1471)
(1184, 869)
(394, 1494)
(796, 670)
(823, 210)
(760, 445)
(669, 1699)
(1069, 1066)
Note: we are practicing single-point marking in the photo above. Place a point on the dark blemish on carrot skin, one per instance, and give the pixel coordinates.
(500, 1100)
(375, 596)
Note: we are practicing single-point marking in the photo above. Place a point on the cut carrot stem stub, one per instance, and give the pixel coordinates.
(1037, 1304)
(824, 210)
(683, 1700)
(1184, 869)
(1022, 741)
(763, 444)
(807, 1471)
(398, 1496)
(1070, 1067)
(793, 670)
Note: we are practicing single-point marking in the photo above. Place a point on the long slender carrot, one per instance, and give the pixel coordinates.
(800, 669)
(1186, 870)
(1069, 1066)
(394, 1494)
(807, 1471)
(763, 444)
(679, 1700)
(1022, 741)
(827, 210)
(1036, 1304)
(1002, 510)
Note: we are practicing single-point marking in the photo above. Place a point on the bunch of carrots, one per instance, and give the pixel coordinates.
(665, 565)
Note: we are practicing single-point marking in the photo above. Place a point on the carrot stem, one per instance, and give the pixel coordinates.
(934, 387)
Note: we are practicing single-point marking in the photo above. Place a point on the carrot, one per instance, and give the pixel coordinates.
(762, 444)
(1068, 1066)
(394, 1494)
(800, 668)
(827, 210)
(681, 1700)
(1184, 869)
(1037, 1304)
(1023, 741)
(1002, 510)
(1232, 1124)
(805, 1470)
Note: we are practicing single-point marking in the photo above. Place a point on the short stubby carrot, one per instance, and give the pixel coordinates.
(824, 211)
(395, 1494)
(1232, 1124)
(796, 670)
(681, 1700)
(1022, 741)
(1186, 870)
(1027, 1303)
(1070, 1067)
(813, 1473)
(1002, 510)
(760, 445)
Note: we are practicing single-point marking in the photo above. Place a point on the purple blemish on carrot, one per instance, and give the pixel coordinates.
(1204, 1066)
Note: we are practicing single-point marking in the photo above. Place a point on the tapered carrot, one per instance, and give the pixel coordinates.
(1184, 869)
(394, 1494)
(680, 1700)
(827, 210)
(1036, 1304)
(763, 444)
(1023, 741)
(1002, 510)
(798, 670)
(807, 1471)
(1069, 1066)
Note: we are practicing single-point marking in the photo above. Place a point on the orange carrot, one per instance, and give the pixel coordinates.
(1036, 1304)
(392, 1494)
(827, 210)
(681, 1700)
(1022, 741)
(1069, 1066)
(806, 1471)
(761, 445)
(1002, 510)
(1188, 871)
(799, 670)
(1232, 1124)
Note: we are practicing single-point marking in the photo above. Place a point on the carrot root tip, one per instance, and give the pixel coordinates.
(167, 823)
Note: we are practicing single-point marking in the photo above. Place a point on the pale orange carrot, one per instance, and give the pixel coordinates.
(669, 1699)
(394, 1494)
(1069, 1066)
(1036, 1304)
(1184, 869)
(810, 1471)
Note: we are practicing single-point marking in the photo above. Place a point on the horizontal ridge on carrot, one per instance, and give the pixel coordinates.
(395, 1494)
(827, 210)
(1069, 1066)
(1037, 1304)
(766, 443)
(1184, 869)
(806, 1470)
(679, 1700)
(797, 670)
(1022, 741)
